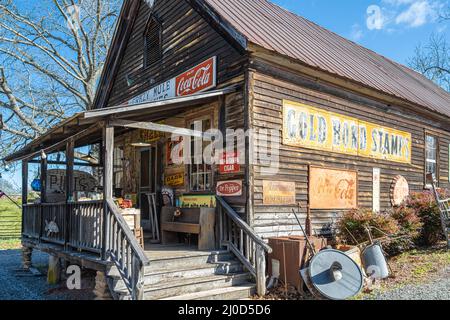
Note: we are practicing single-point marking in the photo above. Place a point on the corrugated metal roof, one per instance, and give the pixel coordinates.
(274, 28)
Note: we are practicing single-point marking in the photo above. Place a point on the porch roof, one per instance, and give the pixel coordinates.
(85, 127)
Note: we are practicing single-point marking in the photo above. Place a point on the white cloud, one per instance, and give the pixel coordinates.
(357, 33)
(410, 13)
(418, 14)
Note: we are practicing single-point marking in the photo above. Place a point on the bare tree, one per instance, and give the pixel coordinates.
(51, 56)
(433, 58)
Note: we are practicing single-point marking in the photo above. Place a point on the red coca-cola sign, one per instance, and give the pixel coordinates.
(200, 78)
(231, 188)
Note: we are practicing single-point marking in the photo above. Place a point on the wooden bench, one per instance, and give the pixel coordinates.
(200, 221)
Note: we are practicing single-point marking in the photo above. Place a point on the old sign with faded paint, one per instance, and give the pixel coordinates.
(399, 190)
(231, 188)
(309, 127)
(200, 78)
(278, 193)
(56, 184)
(175, 180)
(332, 188)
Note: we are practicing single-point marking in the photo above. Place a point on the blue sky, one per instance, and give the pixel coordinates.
(392, 28)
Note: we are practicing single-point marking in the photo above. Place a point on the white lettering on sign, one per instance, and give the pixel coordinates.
(200, 78)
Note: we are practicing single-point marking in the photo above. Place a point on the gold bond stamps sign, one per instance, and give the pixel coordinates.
(332, 188)
(278, 193)
(309, 127)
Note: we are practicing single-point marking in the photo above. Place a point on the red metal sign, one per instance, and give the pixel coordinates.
(232, 188)
(200, 78)
(229, 163)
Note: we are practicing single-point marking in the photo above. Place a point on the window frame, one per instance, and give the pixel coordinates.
(208, 115)
(152, 18)
(437, 142)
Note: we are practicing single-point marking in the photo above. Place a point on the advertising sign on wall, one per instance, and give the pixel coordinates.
(332, 188)
(309, 127)
(232, 188)
(200, 78)
(230, 163)
(278, 193)
(376, 189)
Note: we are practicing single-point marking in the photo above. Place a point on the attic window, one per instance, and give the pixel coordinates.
(152, 42)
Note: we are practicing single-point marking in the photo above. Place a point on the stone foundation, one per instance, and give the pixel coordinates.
(101, 290)
(27, 253)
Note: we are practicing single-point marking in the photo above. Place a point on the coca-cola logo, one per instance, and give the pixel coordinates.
(198, 79)
(230, 188)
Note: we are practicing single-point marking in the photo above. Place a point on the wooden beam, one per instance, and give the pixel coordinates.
(158, 105)
(62, 143)
(43, 179)
(158, 127)
(63, 163)
(70, 187)
(24, 189)
(108, 162)
(108, 151)
(24, 182)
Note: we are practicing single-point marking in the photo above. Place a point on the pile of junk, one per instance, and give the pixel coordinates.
(311, 266)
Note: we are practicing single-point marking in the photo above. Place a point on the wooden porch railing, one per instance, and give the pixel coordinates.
(77, 225)
(124, 250)
(242, 241)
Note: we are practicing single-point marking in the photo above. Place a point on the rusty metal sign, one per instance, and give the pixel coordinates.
(278, 193)
(332, 188)
(399, 190)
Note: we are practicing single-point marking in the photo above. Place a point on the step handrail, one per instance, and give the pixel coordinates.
(124, 251)
(243, 242)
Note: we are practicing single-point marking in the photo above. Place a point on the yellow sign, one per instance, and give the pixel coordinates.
(309, 127)
(278, 193)
(196, 201)
(175, 180)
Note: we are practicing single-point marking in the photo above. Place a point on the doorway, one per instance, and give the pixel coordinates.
(148, 190)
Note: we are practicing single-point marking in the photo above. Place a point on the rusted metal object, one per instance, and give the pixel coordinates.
(292, 254)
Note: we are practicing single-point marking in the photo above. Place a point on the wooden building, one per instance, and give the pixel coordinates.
(351, 129)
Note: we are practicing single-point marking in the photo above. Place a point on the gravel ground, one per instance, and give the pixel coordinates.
(17, 285)
(437, 289)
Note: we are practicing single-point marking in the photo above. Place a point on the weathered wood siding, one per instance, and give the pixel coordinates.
(266, 112)
(187, 40)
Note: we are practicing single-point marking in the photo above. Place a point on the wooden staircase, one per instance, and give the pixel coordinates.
(180, 273)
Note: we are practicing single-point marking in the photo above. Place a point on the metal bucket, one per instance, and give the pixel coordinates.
(374, 262)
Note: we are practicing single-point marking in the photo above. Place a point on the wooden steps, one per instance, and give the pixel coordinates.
(186, 274)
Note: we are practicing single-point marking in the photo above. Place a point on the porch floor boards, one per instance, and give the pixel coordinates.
(163, 252)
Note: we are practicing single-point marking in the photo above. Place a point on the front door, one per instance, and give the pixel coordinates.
(147, 192)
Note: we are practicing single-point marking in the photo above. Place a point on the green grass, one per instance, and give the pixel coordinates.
(10, 220)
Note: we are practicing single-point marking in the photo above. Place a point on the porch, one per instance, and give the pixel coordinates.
(95, 234)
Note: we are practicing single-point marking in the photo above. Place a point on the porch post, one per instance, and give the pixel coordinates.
(108, 158)
(24, 187)
(43, 193)
(70, 146)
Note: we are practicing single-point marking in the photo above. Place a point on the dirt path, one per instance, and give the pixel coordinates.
(17, 285)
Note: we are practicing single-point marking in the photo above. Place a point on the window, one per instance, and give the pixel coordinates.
(118, 167)
(431, 155)
(200, 173)
(152, 42)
